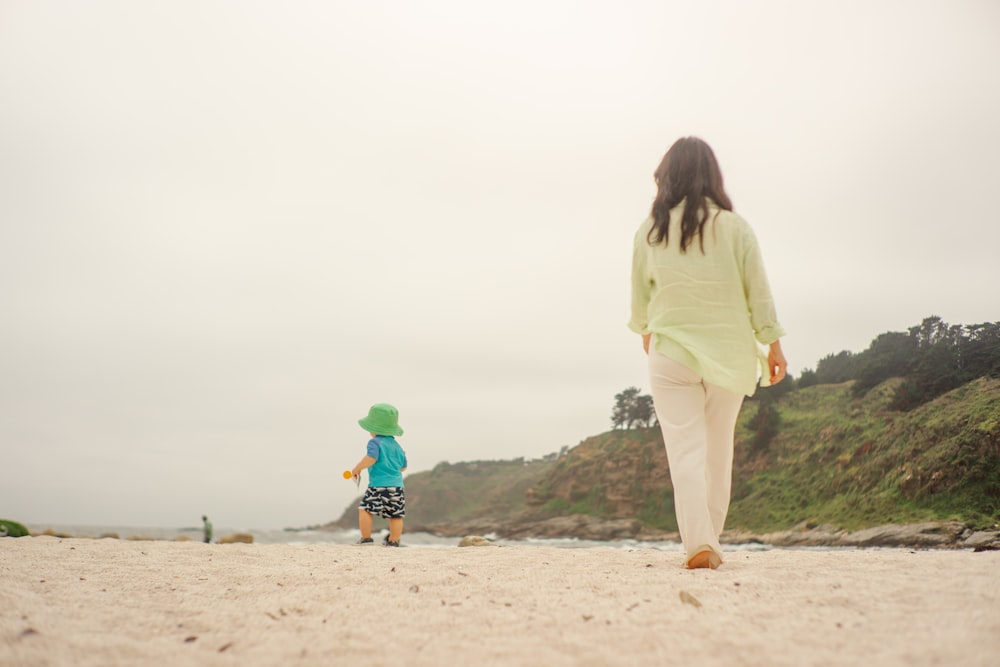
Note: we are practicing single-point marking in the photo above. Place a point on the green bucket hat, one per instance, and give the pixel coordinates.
(382, 419)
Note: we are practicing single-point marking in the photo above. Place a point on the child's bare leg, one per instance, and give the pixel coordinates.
(395, 529)
(365, 523)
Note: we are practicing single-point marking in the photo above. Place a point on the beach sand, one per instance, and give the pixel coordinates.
(108, 602)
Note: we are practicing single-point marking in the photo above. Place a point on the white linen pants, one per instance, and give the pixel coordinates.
(698, 421)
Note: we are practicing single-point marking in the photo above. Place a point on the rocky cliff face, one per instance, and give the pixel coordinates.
(618, 475)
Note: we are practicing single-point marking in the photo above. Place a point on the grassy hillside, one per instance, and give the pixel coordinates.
(848, 461)
(453, 492)
(855, 463)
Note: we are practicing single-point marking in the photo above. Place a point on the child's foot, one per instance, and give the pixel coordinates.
(365, 541)
(391, 543)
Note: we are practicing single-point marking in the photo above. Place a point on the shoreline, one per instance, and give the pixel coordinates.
(926, 535)
(114, 602)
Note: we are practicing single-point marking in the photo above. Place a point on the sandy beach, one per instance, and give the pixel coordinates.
(110, 602)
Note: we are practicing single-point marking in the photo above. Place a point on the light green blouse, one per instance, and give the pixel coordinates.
(706, 311)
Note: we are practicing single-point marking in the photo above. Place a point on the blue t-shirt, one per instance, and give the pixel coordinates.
(390, 459)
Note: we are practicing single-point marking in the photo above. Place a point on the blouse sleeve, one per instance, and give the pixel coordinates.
(763, 315)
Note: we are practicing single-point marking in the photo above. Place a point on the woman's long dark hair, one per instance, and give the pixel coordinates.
(689, 171)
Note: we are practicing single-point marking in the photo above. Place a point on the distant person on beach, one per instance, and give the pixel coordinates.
(702, 303)
(208, 528)
(386, 462)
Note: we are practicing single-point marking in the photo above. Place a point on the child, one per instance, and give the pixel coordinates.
(385, 461)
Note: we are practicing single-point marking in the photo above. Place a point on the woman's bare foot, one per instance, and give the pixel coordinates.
(703, 559)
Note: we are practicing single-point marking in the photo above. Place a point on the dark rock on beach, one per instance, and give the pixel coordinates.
(931, 534)
(922, 535)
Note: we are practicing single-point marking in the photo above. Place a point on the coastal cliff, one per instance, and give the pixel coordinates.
(840, 470)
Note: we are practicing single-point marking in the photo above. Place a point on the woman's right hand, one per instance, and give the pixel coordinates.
(645, 342)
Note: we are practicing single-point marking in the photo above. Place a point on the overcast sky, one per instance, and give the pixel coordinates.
(227, 228)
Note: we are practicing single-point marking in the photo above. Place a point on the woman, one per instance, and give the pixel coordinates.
(701, 301)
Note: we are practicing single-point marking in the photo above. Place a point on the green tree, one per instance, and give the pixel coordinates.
(889, 355)
(645, 415)
(981, 349)
(808, 378)
(947, 357)
(633, 409)
(836, 368)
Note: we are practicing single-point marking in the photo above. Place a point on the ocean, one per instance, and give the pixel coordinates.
(299, 536)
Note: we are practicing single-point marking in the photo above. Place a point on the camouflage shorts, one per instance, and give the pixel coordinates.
(384, 501)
